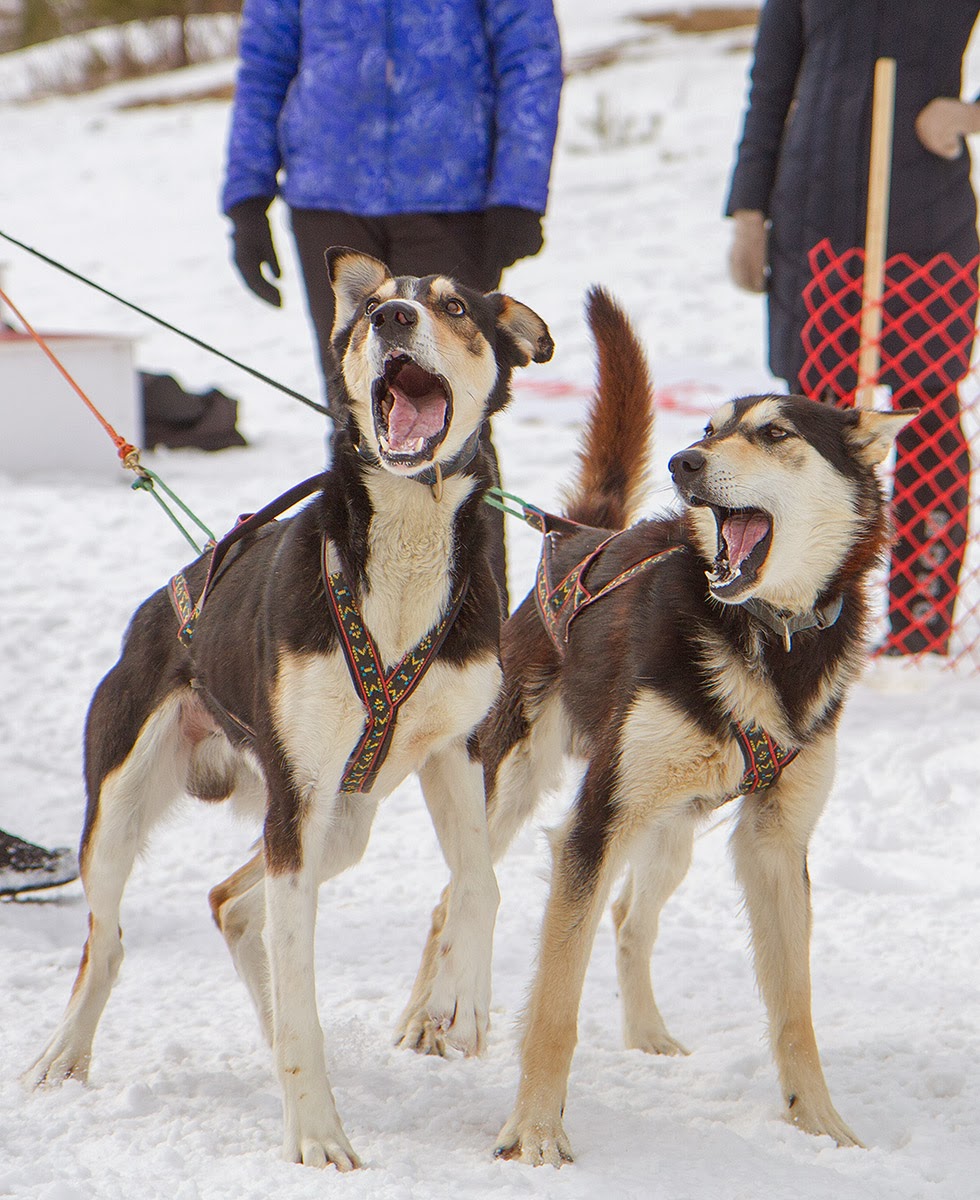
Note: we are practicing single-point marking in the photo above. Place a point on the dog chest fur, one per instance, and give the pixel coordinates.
(319, 718)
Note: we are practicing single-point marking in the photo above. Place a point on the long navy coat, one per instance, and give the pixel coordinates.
(804, 153)
(376, 107)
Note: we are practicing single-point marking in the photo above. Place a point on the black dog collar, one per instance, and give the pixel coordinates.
(430, 475)
(786, 626)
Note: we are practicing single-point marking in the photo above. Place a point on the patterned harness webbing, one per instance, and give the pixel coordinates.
(764, 759)
(381, 694)
(559, 604)
(247, 524)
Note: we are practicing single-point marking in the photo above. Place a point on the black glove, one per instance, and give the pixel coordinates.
(510, 233)
(251, 237)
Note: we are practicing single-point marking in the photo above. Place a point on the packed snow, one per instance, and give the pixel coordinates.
(182, 1101)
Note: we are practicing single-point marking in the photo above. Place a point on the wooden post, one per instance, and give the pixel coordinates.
(876, 230)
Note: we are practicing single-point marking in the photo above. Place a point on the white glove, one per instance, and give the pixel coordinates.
(747, 256)
(944, 122)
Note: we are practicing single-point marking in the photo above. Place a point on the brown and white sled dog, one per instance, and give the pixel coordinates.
(721, 666)
(262, 704)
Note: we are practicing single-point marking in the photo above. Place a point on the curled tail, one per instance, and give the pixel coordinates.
(614, 457)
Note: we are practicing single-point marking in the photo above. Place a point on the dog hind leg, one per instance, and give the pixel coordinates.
(770, 850)
(528, 769)
(124, 804)
(580, 883)
(238, 908)
(659, 860)
(458, 999)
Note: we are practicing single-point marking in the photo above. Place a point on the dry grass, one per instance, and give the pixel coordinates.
(701, 20)
(221, 91)
(693, 20)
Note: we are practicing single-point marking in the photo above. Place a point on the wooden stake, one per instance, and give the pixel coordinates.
(876, 230)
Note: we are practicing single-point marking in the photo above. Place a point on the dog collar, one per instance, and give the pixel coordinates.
(430, 476)
(814, 618)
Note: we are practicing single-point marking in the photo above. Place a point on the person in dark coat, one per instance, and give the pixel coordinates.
(798, 197)
(419, 133)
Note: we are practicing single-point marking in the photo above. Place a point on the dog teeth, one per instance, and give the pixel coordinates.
(416, 447)
(715, 578)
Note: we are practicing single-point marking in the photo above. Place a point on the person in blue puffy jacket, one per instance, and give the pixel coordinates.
(419, 133)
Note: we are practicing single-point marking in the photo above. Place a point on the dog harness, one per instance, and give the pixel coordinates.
(180, 595)
(560, 603)
(764, 759)
(381, 693)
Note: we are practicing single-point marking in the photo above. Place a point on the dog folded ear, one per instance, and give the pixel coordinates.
(872, 434)
(526, 331)
(354, 277)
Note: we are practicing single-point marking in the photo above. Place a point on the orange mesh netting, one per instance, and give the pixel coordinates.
(927, 333)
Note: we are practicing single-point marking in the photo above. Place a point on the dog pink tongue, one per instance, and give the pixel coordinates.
(411, 419)
(742, 533)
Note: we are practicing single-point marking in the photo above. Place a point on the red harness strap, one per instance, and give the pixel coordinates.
(381, 693)
(559, 604)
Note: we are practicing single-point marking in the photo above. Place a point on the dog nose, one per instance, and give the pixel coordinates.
(686, 463)
(394, 312)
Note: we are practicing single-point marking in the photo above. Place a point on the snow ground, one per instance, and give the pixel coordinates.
(183, 1103)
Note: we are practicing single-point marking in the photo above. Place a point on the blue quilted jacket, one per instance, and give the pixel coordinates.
(377, 107)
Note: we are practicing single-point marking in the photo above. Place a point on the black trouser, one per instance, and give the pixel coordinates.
(410, 244)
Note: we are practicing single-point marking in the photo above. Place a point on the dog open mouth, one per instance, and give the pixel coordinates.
(744, 538)
(412, 409)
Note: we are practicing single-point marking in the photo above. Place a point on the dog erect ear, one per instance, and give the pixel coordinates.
(353, 276)
(872, 434)
(526, 330)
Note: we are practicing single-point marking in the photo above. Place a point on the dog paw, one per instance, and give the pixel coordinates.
(536, 1143)
(458, 1007)
(821, 1120)
(659, 1043)
(332, 1150)
(420, 1033)
(56, 1065)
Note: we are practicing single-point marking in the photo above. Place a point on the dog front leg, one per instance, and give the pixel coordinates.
(770, 851)
(458, 957)
(313, 1134)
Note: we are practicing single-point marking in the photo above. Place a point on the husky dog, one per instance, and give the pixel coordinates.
(338, 651)
(691, 659)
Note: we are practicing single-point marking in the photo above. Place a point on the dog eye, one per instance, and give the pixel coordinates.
(455, 308)
(776, 433)
(371, 305)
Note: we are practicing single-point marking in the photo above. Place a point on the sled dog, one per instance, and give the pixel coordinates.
(338, 651)
(695, 659)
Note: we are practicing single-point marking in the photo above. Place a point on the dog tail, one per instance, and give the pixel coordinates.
(615, 455)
